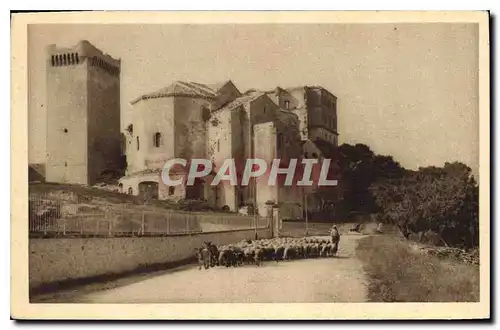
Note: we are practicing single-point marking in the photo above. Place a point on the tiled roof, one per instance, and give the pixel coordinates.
(217, 86)
(241, 100)
(180, 88)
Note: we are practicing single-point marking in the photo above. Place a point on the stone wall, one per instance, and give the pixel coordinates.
(151, 116)
(58, 259)
(220, 148)
(265, 138)
(104, 150)
(190, 131)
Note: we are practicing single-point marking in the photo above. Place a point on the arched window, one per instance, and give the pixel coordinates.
(157, 140)
(137, 143)
(130, 191)
(171, 190)
(77, 59)
(120, 187)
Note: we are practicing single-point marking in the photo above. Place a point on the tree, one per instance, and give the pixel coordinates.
(361, 168)
(443, 200)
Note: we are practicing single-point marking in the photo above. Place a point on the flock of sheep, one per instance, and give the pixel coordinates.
(257, 251)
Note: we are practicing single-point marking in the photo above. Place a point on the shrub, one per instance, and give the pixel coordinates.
(440, 200)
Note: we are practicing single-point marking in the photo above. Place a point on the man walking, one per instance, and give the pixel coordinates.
(334, 233)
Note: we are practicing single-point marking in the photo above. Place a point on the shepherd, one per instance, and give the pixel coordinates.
(334, 233)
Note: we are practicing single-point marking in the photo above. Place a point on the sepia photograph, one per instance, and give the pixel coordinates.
(197, 165)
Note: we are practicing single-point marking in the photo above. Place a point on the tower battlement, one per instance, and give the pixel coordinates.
(83, 51)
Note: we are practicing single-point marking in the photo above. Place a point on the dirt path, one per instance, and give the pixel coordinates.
(339, 279)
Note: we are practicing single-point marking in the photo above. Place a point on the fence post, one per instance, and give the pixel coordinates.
(110, 225)
(169, 217)
(142, 223)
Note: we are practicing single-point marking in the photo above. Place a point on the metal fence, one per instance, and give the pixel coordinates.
(52, 216)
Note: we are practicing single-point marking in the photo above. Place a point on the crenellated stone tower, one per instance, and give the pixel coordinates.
(83, 114)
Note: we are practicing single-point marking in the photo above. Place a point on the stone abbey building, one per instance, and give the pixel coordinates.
(183, 120)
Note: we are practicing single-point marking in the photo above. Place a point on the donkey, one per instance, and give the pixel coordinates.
(214, 253)
(203, 257)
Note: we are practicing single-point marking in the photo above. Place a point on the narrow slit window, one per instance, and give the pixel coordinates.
(287, 104)
(157, 140)
(137, 143)
(280, 140)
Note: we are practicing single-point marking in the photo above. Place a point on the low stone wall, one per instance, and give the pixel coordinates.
(54, 260)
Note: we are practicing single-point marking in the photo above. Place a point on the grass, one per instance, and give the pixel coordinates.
(84, 193)
(398, 274)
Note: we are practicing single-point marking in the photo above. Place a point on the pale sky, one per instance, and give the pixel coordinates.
(407, 90)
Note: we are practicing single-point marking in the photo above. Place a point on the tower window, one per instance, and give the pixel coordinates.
(287, 104)
(53, 60)
(171, 191)
(157, 139)
(137, 143)
(315, 155)
(77, 59)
